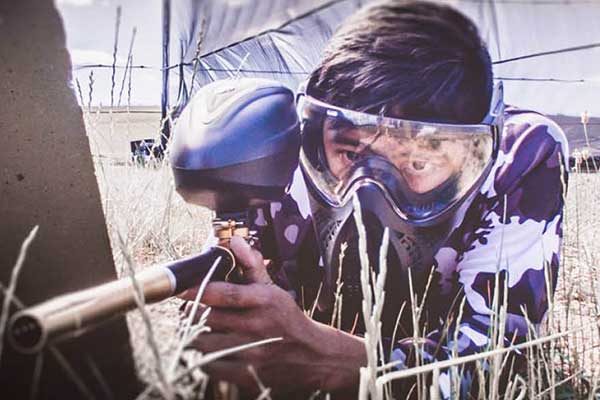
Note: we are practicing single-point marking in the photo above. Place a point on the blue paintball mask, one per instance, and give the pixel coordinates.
(416, 178)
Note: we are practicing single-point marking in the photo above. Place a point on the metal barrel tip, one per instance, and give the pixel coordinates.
(26, 334)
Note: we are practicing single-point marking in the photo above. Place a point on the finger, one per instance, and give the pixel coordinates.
(190, 294)
(230, 295)
(211, 342)
(182, 307)
(198, 313)
(233, 372)
(222, 320)
(250, 260)
(217, 319)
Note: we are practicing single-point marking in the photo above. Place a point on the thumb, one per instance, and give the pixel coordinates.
(250, 260)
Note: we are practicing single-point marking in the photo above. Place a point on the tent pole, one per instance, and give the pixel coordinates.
(164, 105)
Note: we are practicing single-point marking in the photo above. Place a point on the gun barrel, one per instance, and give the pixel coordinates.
(71, 314)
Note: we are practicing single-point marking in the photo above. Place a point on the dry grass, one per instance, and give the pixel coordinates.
(148, 223)
(152, 221)
(156, 225)
(577, 296)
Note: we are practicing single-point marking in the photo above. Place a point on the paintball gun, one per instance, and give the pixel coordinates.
(235, 148)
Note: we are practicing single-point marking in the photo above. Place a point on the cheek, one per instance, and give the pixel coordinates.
(424, 183)
(336, 161)
(453, 155)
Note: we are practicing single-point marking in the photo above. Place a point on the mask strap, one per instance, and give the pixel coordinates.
(496, 104)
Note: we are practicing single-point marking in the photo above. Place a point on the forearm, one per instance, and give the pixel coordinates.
(338, 358)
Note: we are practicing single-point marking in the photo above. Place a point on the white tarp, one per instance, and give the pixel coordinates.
(564, 83)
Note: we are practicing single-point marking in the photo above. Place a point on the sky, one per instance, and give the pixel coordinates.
(90, 32)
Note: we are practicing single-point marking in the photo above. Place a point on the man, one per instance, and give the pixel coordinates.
(403, 115)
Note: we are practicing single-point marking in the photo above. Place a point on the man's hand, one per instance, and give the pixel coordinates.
(310, 355)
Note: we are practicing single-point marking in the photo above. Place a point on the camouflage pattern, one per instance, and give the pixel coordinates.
(513, 227)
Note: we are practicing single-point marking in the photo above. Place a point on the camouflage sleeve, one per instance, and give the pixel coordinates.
(517, 236)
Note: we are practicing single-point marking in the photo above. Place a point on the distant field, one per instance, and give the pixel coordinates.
(142, 207)
(111, 131)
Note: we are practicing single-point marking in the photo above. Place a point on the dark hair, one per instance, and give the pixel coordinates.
(413, 60)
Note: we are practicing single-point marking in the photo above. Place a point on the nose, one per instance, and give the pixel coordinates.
(418, 164)
(374, 201)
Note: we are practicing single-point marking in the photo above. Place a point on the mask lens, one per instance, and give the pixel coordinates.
(424, 168)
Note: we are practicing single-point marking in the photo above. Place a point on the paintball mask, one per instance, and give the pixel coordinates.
(416, 178)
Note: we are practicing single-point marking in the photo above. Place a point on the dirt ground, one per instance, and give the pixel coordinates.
(155, 225)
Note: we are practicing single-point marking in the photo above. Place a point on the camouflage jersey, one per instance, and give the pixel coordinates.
(514, 226)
